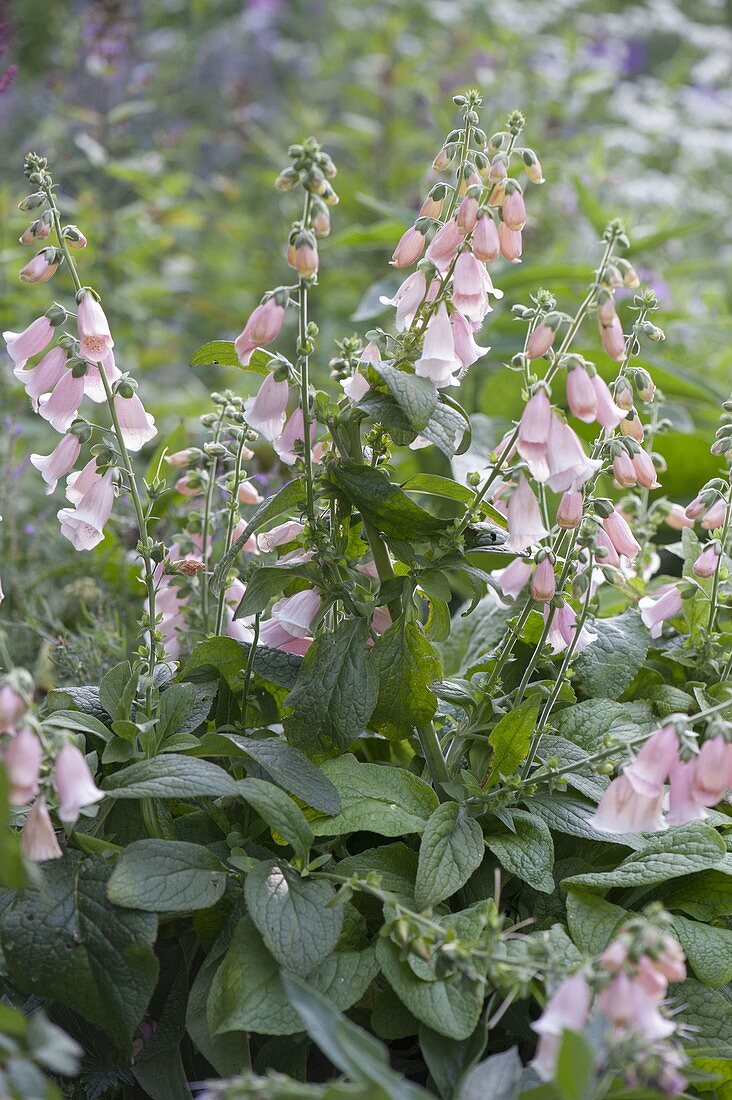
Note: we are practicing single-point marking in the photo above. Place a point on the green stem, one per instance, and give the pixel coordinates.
(230, 525)
(714, 599)
(434, 755)
(303, 362)
(207, 506)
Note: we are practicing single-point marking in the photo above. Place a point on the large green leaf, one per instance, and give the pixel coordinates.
(165, 876)
(382, 503)
(680, 851)
(336, 688)
(291, 769)
(608, 666)
(592, 920)
(416, 397)
(69, 941)
(377, 798)
(281, 813)
(395, 864)
(170, 776)
(497, 1078)
(708, 950)
(510, 739)
(229, 659)
(527, 852)
(451, 849)
(407, 665)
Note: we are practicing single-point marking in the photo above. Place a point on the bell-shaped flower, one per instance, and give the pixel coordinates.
(525, 525)
(275, 636)
(42, 267)
(617, 530)
(439, 361)
(292, 435)
(652, 766)
(711, 771)
(466, 349)
(43, 377)
(706, 564)
(513, 579)
(60, 407)
(629, 1006)
(543, 582)
(240, 628)
(624, 471)
(138, 426)
(12, 706)
(683, 805)
(77, 484)
(266, 412)
(569, 466)
(567, 1009)
(511, 243)
(581, 395)
(296, 613)
(486, 245)
(612, 338)
(563, 629)
(83, 525)
(61, 460)
(569, 511)
(22, 346)
(445, 244)
(95, 339)
(623, 810)
(408, 298)
(409, 249)
(263, 326)
(247, 493)
(355, 387)
(22, 760)
(657, 609)
(93, 385)
(645, 471)
(607, 413)
(533, 436)
(74, 784)
(469, 288)
(280, 535)
(676, 518)
(38, 840)
(715, 516)
(541, 340)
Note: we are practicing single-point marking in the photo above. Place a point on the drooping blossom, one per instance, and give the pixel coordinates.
(467, 214)
(569, 466)
(469, 288)
(525, 525)
(61, 460)
(263, 326)
(533, 436)
(439, 361)
(42, 267)
(486, 244)
(712, 771)
(275, 636)
(12, 706)
(466, 349)
(240, 628)
(60, 407)
(94, 387)
(408, 298)
(567, 1009)
(543, 582)
(676, 518)
(683, 805)
(624, 471)
(511, 243)
(706, 564)
(655, 610)
(612, 339)
(266, 412)
(609, 554)
(617, 530)
(569, 511)
(629, 1006)
(355, 387)
(513, 579)
(95, 339)
(38, 840)
(83, 525)
(296, 613)
(607, 414)
(513, 211)
(22, 760)
(541, 340)
(43, 377)
(247, 493)
(137, 425)
(409, 249)
(563, 629)
(623, 809)
(445, 244)
(651, 767)
(22, 346)
(715, 516)
(292, 434)
(581, 395)
(645, 470)
(280, 535)
(79, 483)
(74, 784)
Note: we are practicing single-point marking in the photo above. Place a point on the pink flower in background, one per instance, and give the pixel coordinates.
(409, 249)
(263, 326)
(652, 766)
(280, 535)
(22, 346)
(683, 806)
(93, 385)
(74, 784)
(466, 349)
(138, 426)
(677, 519)
(623, 810)
(628, 1005)
(248, 494)
(408, 298)
(12, 706)
(511, 243)
(657, 609)
(581, 395)
(83, 525)
(95, 339)
(241, 628)
(59, 462)
(711, 771)
(44, 376)
(296, 613)
(266, 412)
(22, 760)
(38, 839)
(61, 406)
(513, 579)
(525, 525)
(563, 629)
(567, 1009)
(439, 361)
(293, 433)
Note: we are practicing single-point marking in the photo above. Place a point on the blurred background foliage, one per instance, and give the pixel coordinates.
(166, 121)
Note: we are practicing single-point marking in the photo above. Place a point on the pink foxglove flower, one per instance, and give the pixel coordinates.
(467, 214)
(683, 805)
(513, 579)
(240, 628)
(409, 249)
(44, 376)
(22, 762)
(439, 361)
(74, 784)
(61, 460)
(513, 210)
(511, 243)
(95, 339)
(188, 488)
(305, 258)
(612, 338)
(280, 535)
(12, 706)
(563, 629)
(706, 564)
(408, 298)
(543, 582)
(676, 518)
(61, 406)
(569, 512)
(620, 535)
(672, 961)
(657, 609)
(533, 437)
(486, 244)
(22, 346)
(296, 613)
(77, 484)
(525, 526)
(263, 326)
(540, 341)
(266, 412)
(652, 766)
(628, 1006)
(292, 435)
(248, 494)
(445, 244)
(138, 426)
(42, 267)
(567, 1009)
(715, 516)
(466, 349)
(610, 556)
(469, 292)
(581, 395)
(93, 385)
(274, 635)
(38, 839)
(624, 471)
(83, 526)
(607, 413)
(711, 771)
(569, 466)
(355, 387)
(645, 471)
(623, 810)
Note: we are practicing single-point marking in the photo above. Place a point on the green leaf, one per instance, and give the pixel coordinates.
(528, 852)
(446, 428)
(450, 850)
(268, 581)
(497, 1078)
(407, 664)
(437, 486)
(290, 768)
(229, 658)
(416, 397)
(382, 503)
(475, 635)
(510, 739)
(680, 851)
(280, 812)
(336, 688)
(395, 864)
(171, 776)
(708, 950)
(609, 665)
(176, 705)
(117, 691)
(216, 353)
(575, 1072)
(707, 896)
(69, 941)
(166, 876)
(247, 993)
(588, 723)
(293, 915)
(571, 815)
(450, 1006)
(592, 921)
(375, 798)
(707, 1012)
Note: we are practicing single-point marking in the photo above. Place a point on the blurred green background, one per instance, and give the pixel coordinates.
(166, 122)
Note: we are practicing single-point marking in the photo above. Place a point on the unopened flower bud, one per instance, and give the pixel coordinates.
(533, 166)
(623, 471)
(623, 395)
(304, 255)
(644, 384)
(605, 306)
(630, 275)
(467, 214)
(569, 512)
(74, 236)
(32, 202)
(706, 564)
(442, 160)
(42, 267)
(513, 211)
(543, 582)
(497, 141)
(632, 426)
(409, 249)
(286, 180)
